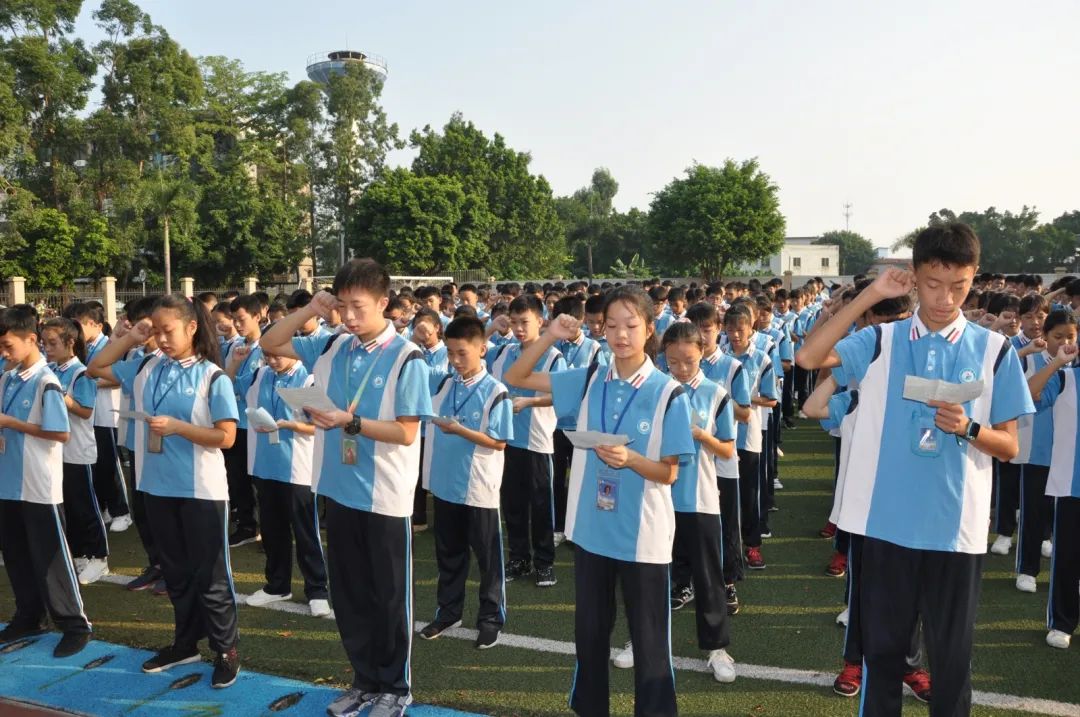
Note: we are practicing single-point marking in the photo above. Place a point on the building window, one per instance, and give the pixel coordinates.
(796, 262)
(824, 262)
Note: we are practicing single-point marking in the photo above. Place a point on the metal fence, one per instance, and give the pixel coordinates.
(51, 303)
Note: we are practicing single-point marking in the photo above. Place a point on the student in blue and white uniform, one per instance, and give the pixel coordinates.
(739, 328)
(527, 487)
(696, 498)
(366, 459)
(191, 411)
(314, 327)
(463, 468)
(87, 535)
(244, 360)
(922, 497)
(33, 428)
(594, 325)
(426, 330)
(108, 475)
(280, 462)
(470, 297)
(1056, 387)
(620, 514)
(1036, 439)
(578, 352)
(228, 337)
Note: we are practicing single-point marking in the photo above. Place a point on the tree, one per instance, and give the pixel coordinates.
(515, 209)
(856, 252)
(586, 218)
(419, 225)
(715, 218)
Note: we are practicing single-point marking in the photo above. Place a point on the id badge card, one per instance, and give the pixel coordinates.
(274, 438)
(153, 443)
(348, 450)
(607, 489)
(3, 443)
(927, 437)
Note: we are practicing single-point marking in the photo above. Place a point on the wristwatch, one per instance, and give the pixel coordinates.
(972, 431)
(352, 428)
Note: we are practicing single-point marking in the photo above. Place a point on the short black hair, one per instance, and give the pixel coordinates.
(426, 314)
(1073, 288)
(263, 297)
(249, 303)
(299, 299)
(222, 307)
(396, 303)
(525, 303)
(425, 292)
(277, 307)
(467, 328)
(20, 319)
(950, 244)
(1057, 318)
(363, 274)
(85, 310)
(738, 313)
(465, 310)
(1034, 302)
(594, 304)
(207, 297)
(572, 305)
(704, 313)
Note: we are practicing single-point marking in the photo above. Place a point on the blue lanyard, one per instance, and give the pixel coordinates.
(603, 410)
(275, 399)
(577, 349)
(453, 399)
(11, 402)
(155, 397)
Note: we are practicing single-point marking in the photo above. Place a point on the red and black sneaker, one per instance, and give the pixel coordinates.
(919, 682)
(849, 682)
(837, 567)
(829, 531)
(754, 561)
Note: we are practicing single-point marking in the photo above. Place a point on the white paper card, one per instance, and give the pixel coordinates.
(587, 440)
(933, 389)
(312, 396)
(132, 415)
(259, 417)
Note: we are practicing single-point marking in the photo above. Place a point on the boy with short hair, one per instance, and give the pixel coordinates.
(33, 429)
(245, 359)
(465, 443)
(922, 494)
(366, 459)
(527, 477)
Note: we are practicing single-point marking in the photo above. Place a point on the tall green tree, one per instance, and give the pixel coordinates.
(715, 218)
(515, 208)
(587, 219)
(856, 251)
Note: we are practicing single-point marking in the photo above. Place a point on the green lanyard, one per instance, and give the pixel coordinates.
(363, 384)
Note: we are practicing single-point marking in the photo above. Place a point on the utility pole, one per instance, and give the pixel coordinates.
(847, 216)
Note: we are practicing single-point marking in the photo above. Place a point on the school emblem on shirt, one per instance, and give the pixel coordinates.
(26, 403)
(967, 375)
(476, 415)
(189, 391)
(377, 382)
(643, 427)
(703, 415)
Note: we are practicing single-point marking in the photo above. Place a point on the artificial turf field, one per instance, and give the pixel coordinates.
(787, 621)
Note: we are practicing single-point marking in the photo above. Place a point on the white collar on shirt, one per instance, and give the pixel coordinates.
(950, 333)
(696, 380)
(579, 340)
(186, 362)
(715, 355)
(385, 336)
(471, 380)
(26, 373)
(67, 364)
(438, 345)
(637, 378)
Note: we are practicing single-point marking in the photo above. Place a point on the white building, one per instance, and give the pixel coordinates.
(801, 257)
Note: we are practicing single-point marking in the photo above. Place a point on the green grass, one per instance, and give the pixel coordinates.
(787, 621)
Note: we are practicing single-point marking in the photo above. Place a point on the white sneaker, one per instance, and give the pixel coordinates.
(1025, 583)
(319, 608)
(625, 659)
(1058, 639)
(1047, 548)
(723, 665)
(260, 598)
(802, 414)
(80, 564)
(779, 452)
(560, 538)
(96, 568)
(777, 485)
(842, 618)
(1001, 545)
(105, 517)
(119, 525)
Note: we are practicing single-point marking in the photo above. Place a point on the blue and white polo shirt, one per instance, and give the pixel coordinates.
(383, 478)
(81, 448)
(843, 407)
(1035, 434)
(245, 374)
(456, 469)
(534, 428)
(916, 486)
(579, 353)
(696, 489)
(762, 381)
(32, 469)
(436, 357)
(288, 460)
(194, 390)
(108, 399)
(1062, 396)
(653, 410)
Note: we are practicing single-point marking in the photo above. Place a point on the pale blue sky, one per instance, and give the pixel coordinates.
(899, 108)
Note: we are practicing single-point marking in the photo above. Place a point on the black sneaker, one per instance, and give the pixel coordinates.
(438, 627)
(14, 632)
(170, 657)
(226, 667)
(788, 423)
(243, 536)
(488, 637)
(160, 588)
(71, 643)
(146, 579)
(518, 569)
(732, 601)
(680, 597)
(545, 577)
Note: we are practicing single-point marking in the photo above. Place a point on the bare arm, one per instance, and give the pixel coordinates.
(663, 471)
(32, 429)
(75, 409)
(481, 439)
(817, 404)
(712, 444)
(221, 435)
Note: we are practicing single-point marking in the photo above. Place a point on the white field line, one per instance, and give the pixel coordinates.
(789, 675)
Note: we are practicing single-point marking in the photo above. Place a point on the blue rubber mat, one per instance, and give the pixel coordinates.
(105, 680)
